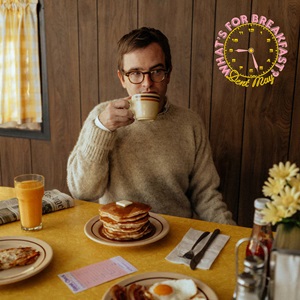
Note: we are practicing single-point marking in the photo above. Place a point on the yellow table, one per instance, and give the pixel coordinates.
(63, 230)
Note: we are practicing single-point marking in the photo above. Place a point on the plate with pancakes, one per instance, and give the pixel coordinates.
(126, 224)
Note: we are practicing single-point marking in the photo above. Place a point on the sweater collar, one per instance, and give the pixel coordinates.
(166, 107)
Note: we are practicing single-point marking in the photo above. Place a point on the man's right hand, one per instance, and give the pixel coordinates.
(117, 114)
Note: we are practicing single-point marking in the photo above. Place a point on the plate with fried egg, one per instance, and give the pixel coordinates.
(161, 286)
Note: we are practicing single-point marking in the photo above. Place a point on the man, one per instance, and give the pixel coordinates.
(166, 163)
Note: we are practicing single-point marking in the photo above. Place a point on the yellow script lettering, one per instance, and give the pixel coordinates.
(260, 81)
(234, 77)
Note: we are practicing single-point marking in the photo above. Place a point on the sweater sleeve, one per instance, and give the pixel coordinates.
(206, 200)
(87, 168)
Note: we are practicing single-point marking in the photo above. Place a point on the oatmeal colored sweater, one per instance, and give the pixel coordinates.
(166, 163)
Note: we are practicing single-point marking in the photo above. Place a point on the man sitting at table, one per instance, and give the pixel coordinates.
(166, 163)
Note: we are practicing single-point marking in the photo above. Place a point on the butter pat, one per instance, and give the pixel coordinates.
(124, 203)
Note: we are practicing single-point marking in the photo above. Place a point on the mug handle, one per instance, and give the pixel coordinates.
(131, 106)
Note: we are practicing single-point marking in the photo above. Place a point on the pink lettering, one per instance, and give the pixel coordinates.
(283, 44)
(282, 51)
(235, 22)
(244, 19)
(225, 70)
(220, 52)
(275, 30)
(269, 23)
(275, 73)
(254, 18)
(280, 37)
(227, 25)
(280, 67)
(222, 34)
(220, 61)
(262, 20)
(282, 60)
(218, 44)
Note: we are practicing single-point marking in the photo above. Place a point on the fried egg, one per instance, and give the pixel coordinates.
(177, 289)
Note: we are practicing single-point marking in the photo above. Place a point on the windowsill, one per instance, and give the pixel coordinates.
(24, 126)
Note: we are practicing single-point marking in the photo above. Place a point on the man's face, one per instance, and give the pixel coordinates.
(146, 59)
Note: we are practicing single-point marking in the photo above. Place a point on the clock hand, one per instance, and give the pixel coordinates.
(241, 50)
(255, 62)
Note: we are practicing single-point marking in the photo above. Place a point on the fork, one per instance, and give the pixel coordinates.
(190, 254)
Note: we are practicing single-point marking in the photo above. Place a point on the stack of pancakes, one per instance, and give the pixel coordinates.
(130, 222)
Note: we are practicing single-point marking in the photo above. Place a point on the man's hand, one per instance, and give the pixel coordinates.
(117, 114)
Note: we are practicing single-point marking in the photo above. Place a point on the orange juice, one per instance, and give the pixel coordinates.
(30, 194)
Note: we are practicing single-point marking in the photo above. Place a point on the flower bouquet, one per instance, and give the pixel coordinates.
(283, 189)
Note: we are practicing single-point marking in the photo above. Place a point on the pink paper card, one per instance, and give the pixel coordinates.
(95, 274)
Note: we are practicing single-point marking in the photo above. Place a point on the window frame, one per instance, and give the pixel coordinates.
(44, 133)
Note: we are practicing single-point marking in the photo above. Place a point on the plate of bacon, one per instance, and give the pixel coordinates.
(160, 285)
(22, 257)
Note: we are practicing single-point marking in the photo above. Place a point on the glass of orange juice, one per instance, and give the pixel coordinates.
(29, 191)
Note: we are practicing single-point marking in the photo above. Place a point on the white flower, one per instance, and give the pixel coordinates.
(283, 187)
(282, 171)
(295, 182)
(289, 198)
(273, 187)
(272, 214)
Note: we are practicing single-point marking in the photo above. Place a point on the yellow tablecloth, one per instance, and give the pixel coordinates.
(63, 230)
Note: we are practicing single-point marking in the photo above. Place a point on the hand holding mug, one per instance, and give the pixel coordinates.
(117, 114)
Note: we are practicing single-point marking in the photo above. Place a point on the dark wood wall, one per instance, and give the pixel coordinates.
(249, 128)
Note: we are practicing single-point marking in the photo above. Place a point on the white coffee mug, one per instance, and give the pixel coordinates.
(145, 107)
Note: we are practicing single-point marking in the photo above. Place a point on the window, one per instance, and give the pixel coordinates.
(42, 130)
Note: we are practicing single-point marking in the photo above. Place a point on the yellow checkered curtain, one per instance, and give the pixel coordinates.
(20, 90)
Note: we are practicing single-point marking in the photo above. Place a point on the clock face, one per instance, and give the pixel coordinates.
(251, 50)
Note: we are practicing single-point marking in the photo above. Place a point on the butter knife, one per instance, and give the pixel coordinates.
(194, 262)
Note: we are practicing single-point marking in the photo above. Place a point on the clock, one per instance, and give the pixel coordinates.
(251, 50)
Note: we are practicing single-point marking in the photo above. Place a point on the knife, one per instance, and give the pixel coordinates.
(194, 262)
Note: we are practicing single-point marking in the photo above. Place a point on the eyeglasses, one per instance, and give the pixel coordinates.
(137, 77)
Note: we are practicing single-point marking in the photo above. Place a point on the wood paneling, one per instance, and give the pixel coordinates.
(227, 114)
(268, 113)
(174, 18)
(250, 128)
(294, 149)
(202, 59)
(88, 53)
(116, 18)
(50, 157)
(15, 159)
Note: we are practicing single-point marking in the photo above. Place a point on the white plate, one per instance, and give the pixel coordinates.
(93, 226)
(19, 273)
(147, 279)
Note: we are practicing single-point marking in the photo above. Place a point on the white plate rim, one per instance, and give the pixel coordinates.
(24, 272)
(161, 276)
(161, 225)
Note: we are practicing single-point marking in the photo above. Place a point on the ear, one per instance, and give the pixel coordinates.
(121, 77)
(168, 76)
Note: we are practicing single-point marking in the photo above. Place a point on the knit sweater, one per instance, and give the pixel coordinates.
(166, 164)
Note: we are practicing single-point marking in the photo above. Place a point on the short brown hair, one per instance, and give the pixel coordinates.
(141, 38)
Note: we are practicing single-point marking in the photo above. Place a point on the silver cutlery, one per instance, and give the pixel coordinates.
(196, 259)
(190, 254)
